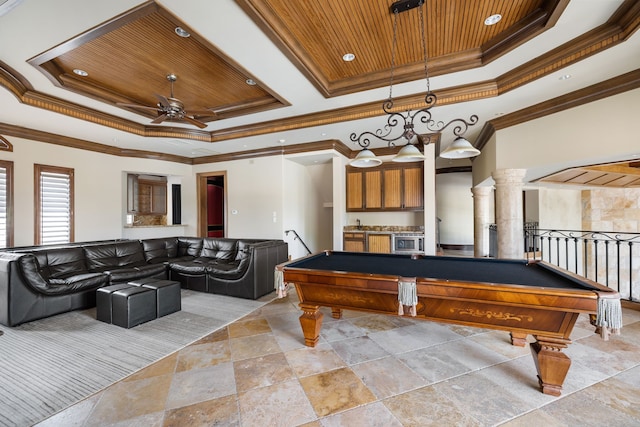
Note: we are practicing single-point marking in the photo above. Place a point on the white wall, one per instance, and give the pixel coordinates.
(254, 196)
(307, 188)
(454, 206)
(98, 184)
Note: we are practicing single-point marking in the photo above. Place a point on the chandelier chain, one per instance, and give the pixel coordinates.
(401, 125)
(393, 53)
(424, 49)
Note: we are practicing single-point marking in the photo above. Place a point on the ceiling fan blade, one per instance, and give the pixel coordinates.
(163, 99)
(195, 122)
(205, 113)
(161, 118)
(144, 107)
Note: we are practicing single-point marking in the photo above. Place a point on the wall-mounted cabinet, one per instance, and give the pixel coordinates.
(388, 187)
(146, 195)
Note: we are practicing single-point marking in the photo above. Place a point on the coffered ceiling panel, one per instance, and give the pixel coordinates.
(127, 60)
(317, 34)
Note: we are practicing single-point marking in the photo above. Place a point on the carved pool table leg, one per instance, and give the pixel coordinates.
(311, 322)
(552, 364)
(519, 339)
(336, 313)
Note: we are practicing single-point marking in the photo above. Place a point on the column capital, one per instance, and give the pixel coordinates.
(481, 191)
(508, 176)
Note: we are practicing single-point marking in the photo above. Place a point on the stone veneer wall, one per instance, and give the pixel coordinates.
(615, 210)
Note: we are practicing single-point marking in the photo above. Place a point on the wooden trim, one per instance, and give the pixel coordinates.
(37, 172)
(607, 88)
(619, 28)
(5, 145)
(201, 192)
(8, 166)
(453, 169)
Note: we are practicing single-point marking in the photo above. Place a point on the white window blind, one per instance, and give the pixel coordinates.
(4, 194)
(55, 208)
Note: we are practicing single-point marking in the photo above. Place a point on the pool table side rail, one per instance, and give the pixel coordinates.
(549, 312)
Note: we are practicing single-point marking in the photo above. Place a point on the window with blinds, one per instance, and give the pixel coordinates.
(54, 207)
(6, 204)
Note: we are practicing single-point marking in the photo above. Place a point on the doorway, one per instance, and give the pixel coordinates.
(212, 198)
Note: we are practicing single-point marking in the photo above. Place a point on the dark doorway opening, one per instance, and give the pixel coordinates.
(215, 206)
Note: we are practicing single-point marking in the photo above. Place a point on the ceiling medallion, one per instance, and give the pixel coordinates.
(404, 122)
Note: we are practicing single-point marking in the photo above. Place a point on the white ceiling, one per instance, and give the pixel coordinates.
(30, 27)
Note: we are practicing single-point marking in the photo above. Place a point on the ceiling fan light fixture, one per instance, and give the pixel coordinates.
(460, 148)
(365, 159)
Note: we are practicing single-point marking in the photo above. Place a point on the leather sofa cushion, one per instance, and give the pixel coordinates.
(189, 246)
(189, 267)
(221, 249)
(228, 270)
(120, 254)
(160, 250)
(79, 282)
(126, 274)
(61, 263)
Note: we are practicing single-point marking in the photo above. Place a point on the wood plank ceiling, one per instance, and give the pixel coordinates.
(616, 175)
(128, 58)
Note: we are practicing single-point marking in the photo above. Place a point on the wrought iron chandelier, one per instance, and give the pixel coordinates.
(404, 122)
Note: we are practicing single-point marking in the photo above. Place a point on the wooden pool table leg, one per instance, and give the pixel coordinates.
(519, 339)
(311, 322)
(552, 364)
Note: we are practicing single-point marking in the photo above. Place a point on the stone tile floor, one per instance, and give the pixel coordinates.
(369, 370)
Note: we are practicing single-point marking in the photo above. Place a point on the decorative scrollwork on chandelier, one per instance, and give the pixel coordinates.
(401, 125)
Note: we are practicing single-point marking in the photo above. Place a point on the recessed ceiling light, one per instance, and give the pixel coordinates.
(182, 32)
(282, 141)
(493, 19)
(250, 82)
(564, 77)
(348, 57)
(80, 72)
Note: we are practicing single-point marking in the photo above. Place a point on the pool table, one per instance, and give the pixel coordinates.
(518, 296)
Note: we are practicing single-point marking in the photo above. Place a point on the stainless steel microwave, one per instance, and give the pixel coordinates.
(408, 243)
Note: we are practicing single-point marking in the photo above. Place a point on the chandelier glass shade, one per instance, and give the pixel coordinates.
(401, 125)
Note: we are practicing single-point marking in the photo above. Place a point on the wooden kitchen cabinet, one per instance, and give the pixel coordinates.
(389, 187)
(404, 188)
(146, 197)
(379, 243)
(354, 241)
(364, 190)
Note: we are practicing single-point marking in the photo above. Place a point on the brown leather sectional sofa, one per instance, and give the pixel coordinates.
(38, 282)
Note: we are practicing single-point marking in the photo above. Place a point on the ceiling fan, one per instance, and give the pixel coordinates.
(172, 108)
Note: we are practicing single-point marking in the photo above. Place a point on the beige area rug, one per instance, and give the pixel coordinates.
(50, 364)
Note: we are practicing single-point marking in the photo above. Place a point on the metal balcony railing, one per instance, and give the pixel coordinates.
(610, 258)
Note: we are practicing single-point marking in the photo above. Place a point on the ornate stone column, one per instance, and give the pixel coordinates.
(481, 220)
(509, 215)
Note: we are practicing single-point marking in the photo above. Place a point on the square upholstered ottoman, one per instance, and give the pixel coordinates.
(168, 299)
(132, 306)
(103, 301)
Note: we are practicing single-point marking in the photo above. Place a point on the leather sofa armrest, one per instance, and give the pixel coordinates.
(31, 273)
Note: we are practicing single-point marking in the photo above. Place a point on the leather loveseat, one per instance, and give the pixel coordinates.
(38, 282)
